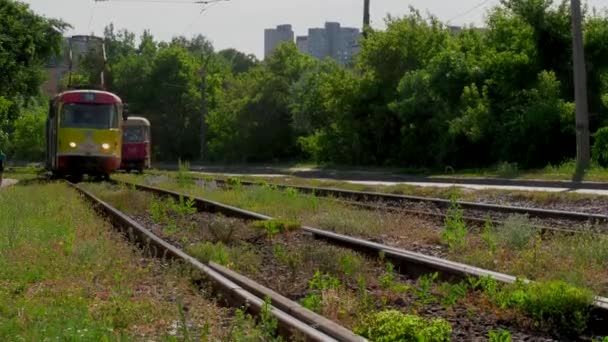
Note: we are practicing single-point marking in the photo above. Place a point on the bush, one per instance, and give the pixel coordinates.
(516, 232)
(600, 147)
(455, 228)
(392, 325)
(563, 306)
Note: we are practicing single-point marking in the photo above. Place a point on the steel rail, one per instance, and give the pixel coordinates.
(469, 219)
(238, 290)
(407, 262)
(367, 196)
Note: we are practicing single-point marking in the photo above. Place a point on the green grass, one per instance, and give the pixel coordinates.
(65, 275)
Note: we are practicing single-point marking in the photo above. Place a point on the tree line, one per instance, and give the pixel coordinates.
(419, 93)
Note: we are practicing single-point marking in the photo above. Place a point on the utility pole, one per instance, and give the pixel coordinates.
(583, 150)
(203, 127)
(365, 17)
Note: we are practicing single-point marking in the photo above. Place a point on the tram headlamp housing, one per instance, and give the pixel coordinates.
(105, 146)
(72, 144)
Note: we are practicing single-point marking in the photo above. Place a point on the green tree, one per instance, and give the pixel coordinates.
(28, 140)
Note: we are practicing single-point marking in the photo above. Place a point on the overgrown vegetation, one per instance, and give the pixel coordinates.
(554, 305)
(393, 326)
(455, 228)
(580, 259)
(276, 226)
(67, 276)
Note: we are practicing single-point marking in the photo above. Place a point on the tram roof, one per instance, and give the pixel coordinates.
(99, 96)
(136, 121)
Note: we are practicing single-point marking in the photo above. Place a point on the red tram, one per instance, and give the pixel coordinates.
(135, 144)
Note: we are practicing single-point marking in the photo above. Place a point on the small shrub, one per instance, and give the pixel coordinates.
(158, 211)
(600, 147)
(322, 281)
(208, 251)
(233, 182)
(392, 325)
(499, 336)
(184, 207)
(388, 280)
(453, 293)
(183, 174)
(563, 306)
(487, 235)
(455, 228)
(425, 285)
(291, 192)
(268, 323)
(516, 232)
(277, 226)
(319, 283)
(312, 302)
(293, 260)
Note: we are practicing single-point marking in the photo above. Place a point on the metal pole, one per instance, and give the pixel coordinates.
(583, 151)
(203, 111)
(365, 17)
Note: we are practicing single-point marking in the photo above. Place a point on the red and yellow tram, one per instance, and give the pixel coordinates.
(83, 133)
(136, 144)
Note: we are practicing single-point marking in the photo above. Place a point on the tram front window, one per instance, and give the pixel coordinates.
(99, 116)
(133, 135)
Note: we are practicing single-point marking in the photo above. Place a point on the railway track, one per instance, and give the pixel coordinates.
(407, 262)
(476, 213)
(238, 290)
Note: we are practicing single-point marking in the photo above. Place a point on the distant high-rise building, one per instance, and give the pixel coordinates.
(302, 43)
(274, 37)
(339, 43)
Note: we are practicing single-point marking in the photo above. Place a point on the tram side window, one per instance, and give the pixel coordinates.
(78, 115)
(133, 134)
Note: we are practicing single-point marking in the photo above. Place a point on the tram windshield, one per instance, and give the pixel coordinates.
(134, 134)
(79, 115)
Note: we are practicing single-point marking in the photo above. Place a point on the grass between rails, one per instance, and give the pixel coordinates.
(339, 281)
(568, 200)
(515, 248)
(66, 275)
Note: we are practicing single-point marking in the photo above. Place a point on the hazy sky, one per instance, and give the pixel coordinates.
(240, 23)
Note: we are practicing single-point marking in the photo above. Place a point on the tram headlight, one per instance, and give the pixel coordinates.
(72, 144)
(105, 146)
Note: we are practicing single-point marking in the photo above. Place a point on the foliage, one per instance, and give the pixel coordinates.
(455, 228)
(559, 304)
(27, 42)
(29, 133)
(555, 304)
(499, 336)
(419, 94)
(319, 283)
(425, 285)
(277, 226)
(516, 232)
(600, 147)
(392, 325)
(487, 235)
(452, 293)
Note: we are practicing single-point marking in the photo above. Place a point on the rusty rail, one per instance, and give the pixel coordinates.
(238, 290)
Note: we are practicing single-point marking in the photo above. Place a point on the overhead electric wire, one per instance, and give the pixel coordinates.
(484, 2)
